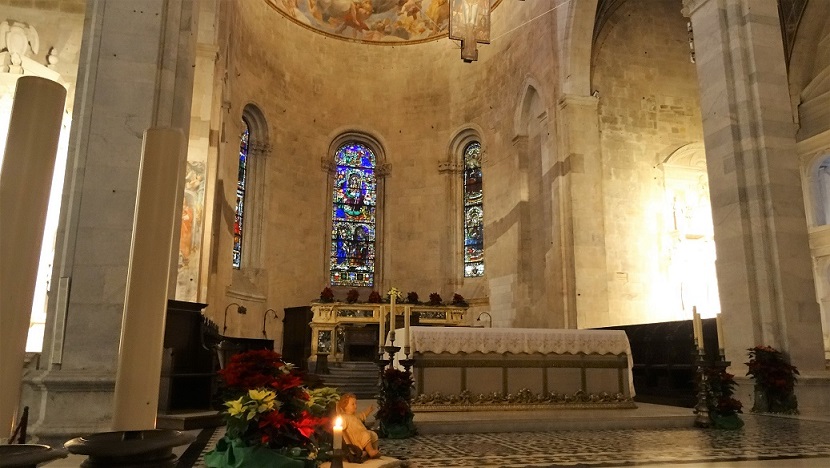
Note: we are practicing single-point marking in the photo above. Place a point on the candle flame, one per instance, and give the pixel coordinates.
(338, 423)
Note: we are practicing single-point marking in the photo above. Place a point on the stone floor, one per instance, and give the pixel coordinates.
(765, 441)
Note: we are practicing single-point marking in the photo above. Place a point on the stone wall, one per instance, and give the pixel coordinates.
(412, 99)
(648, 108)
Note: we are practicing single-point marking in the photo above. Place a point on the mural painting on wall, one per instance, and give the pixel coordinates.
(372, 21)
(190, 241)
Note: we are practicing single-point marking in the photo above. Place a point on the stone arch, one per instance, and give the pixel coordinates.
(575, 73)
(531, 101)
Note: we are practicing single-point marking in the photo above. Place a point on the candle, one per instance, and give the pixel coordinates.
(407, 311)
(382, 324)
(697, 326)
(393, 294)
(719, 324)
(338, 433)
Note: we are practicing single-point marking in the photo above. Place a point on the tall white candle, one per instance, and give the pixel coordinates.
(393, 296)
(407, 313)
(34, 131)
(698, 328)
(337, 431)
(719, 324)
(145, 304)
(382, 325)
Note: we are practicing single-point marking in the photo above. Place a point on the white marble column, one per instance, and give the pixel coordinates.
(25, 179)
(136, 72)
(764, 270)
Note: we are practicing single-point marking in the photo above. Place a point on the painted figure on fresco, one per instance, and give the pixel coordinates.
(371, 20)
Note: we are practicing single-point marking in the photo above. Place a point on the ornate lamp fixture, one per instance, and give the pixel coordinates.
(470, 24)
(265, 316)
(240, 309)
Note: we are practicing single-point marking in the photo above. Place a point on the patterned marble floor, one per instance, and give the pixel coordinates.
(765, 441)
(763, 438)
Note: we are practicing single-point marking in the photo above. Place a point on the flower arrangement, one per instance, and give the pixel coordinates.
(352, 296)
(458, 300)
(374, 298)
(435, 299)
(272, 418)
(327, 295)
(394, 404)
(775, 380)
(412, 297)
(723, 407)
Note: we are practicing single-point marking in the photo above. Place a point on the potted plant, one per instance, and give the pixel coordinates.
(435, 299)
(374, 298)
(326, 295)
(352, 296)
(458, 300)
(412, 298)
(723, 407)
(272, 418)
(394, 404)
(775, 380)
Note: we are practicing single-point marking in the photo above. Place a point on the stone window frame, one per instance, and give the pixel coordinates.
(382, 170)
(454, 168)
(259, 149)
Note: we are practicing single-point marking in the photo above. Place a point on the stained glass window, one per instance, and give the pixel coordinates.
(240, 195)
(353, 217)
(473, 212)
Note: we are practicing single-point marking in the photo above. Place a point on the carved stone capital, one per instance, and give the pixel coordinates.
(383, 170)
(327, 165)
(449, 167)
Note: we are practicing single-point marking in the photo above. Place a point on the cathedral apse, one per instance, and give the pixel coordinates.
(371, 21)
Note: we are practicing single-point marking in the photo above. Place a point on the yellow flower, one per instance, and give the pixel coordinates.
(263, 400)
(235, 407)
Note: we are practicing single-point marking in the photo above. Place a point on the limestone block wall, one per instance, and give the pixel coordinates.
(648, 107)
(412, 99)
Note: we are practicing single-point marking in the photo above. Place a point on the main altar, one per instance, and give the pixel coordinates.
(463, 369)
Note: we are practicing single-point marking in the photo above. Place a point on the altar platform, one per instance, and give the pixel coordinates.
(645, 416)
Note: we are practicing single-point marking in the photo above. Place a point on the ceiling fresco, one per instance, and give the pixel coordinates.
(390, 22)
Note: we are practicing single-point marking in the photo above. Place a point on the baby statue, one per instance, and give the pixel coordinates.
(354, 431)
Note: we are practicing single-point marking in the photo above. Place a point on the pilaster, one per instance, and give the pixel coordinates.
(136, 71)
(581, 156)
(764, 271)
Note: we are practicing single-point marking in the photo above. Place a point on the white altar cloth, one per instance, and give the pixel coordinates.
(515, 340)
(455, 340)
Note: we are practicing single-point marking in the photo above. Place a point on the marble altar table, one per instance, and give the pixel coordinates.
(462, 369)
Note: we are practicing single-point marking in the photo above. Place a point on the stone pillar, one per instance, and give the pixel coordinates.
(136, 72)
(764, 270)
(583, 198)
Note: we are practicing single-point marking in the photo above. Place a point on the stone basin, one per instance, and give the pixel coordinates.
(28, 455)
(129, 449)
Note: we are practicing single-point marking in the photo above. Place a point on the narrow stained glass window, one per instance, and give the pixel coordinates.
(240, 195)
(353, 217)
(473, 212)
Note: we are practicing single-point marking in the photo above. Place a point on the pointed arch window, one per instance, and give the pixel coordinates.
(352, 260)
(473, 212)
(242, 177)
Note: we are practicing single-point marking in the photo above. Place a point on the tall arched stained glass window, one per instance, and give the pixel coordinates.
(353, 217)
(240, 195)
(473, 212)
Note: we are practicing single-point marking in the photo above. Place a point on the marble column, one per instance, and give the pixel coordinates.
(763, 265)
(136, 72)
(579, 147)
